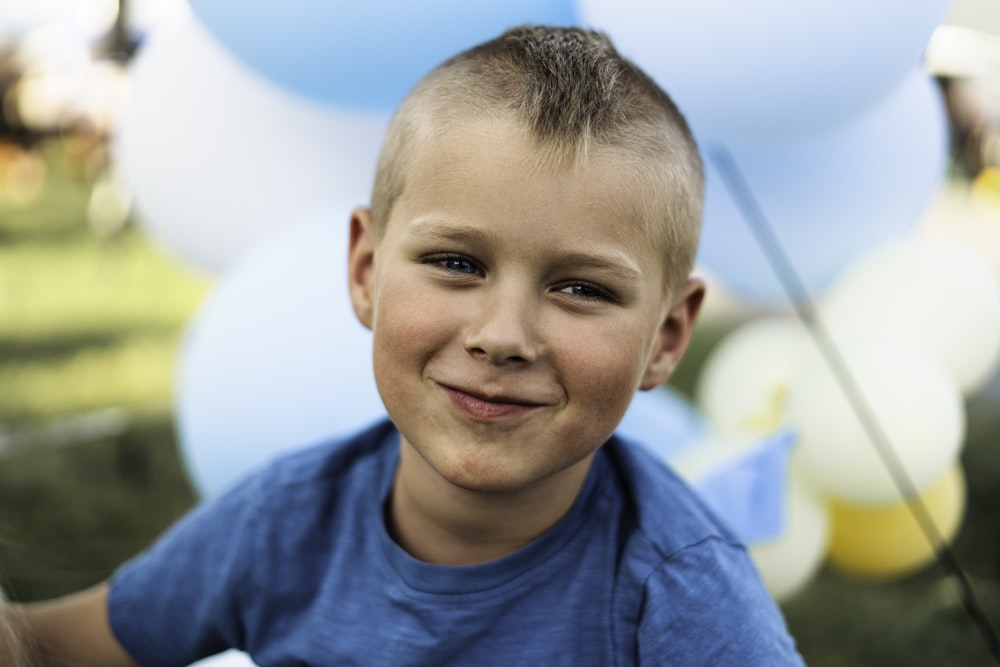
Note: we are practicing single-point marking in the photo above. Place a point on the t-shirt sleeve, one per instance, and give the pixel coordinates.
(706, 605)
(180, 600)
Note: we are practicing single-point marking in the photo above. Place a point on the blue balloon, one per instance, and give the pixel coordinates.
(770, 69)
(275, 358)
(830, 197)
(664, 421)
(363, 54)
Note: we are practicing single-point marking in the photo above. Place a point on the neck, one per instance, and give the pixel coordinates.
(438, 522)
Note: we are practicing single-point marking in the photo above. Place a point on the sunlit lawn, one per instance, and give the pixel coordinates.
(84, 323)
(90, 328)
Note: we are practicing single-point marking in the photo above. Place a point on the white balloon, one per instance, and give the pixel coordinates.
(218, 157)
(934, 294)
(770, 69)
(145, 16)
(965, 216)
(86, 19)
(18, 17)
(790, 561)
(915, 404)
(743, 385)
(275, 358)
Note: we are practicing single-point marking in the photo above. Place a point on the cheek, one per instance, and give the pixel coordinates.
(408, 323)
(605, 364)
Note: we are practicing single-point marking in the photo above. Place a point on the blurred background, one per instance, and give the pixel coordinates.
(175, 181)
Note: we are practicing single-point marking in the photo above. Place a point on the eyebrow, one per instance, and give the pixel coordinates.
(616, 264)
(435, 229)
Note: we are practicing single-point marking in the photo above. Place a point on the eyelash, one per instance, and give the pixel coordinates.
(442, 262)
(596, 294)
(446, 262)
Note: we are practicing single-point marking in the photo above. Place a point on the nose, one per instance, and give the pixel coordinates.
(503, 327)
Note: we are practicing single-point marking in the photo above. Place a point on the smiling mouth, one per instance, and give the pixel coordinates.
(489, 408)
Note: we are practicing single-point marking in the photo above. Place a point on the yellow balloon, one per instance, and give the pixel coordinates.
(885, 541)
(986, 190)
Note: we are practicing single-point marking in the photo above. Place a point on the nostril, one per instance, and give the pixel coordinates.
(501, 332)
(500, 354)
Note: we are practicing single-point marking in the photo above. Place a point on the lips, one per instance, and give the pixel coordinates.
(490, 407)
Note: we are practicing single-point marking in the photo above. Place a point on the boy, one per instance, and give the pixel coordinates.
(524, 270)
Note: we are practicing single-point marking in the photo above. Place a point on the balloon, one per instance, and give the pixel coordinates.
(968, 214)
(937, 295)
(918, 408)
(87, 18)
(664, 421)
(217, 157)
(743, 384)
(885, 542)
(770, 69)
(363, 54)
(830, 197)
(145, 16)
(790, 561)
(275, 358)
(20, 17)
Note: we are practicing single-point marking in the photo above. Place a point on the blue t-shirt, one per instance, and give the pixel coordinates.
(296, 567)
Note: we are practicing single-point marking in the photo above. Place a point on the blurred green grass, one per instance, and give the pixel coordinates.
(92, 326)
(85, 323)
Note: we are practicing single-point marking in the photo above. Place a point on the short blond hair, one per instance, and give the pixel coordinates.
(573, 91)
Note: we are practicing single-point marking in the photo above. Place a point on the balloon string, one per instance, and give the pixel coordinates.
(806, 310)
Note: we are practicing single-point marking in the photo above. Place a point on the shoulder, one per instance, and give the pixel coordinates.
(306, 489)
(292, 494)
(706, 605)
(268, 537)
(300, 502)
(690, 582)
(315, 465)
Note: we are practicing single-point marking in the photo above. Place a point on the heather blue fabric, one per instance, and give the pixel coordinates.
(295, 566)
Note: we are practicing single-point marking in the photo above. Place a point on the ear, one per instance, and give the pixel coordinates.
(674, 335)
(361, 265)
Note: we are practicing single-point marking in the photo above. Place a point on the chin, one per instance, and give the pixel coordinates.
(484, 480)
(488, 475)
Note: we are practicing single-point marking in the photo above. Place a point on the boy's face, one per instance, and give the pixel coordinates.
(515, 310)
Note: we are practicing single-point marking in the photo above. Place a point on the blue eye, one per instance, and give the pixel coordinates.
(459, 265)
(454, 264)
(587, 292)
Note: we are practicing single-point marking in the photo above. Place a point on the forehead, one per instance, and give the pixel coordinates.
(491, 171)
